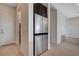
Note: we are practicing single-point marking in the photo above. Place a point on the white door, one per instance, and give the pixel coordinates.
(7, 26)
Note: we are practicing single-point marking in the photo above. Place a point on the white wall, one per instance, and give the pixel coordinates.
(60, 25)
(53, 24)
(7, 24)
(24, 29)
(61, 17)
(22, 17)
(17, 25)
(27, 29)
(26, 19)
(72, 27)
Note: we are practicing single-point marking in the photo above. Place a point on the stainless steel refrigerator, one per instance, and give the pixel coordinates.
(40, 33)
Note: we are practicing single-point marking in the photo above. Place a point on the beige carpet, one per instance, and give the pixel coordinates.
(10, 50)
(66, 49)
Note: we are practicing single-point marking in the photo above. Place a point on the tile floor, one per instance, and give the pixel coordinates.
(10, 50)
(66, 49)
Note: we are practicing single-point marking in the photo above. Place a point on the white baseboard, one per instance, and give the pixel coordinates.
(70, 36)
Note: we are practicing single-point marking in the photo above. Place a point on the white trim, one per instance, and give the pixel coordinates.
(30, 29)
(48, 25)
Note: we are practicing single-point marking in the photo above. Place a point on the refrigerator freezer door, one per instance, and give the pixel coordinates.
(45, 25)
(38, 44)
(38, 23)
(45, 42)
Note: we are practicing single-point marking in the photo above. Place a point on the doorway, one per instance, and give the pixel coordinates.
(8, 44)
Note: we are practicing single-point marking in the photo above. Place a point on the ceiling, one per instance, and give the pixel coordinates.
(69, 9)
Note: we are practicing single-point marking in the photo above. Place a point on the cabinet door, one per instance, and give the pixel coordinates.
(38, 44)
(45, 42)
(38, 23)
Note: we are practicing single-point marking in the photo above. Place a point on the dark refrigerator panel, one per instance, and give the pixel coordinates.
(45, 25)
(41, 34)
(38, 24)
(40, 28)
(38, 44)
(45, 42)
